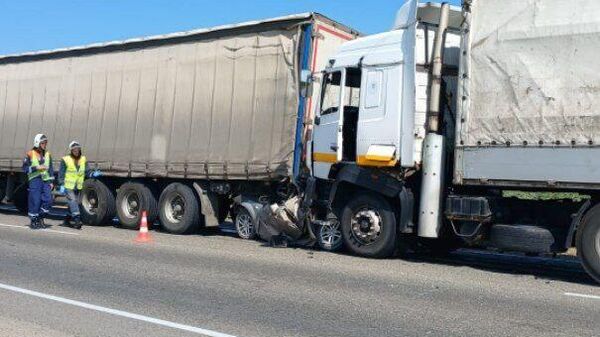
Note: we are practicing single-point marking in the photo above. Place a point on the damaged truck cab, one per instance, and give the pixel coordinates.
(370, 126)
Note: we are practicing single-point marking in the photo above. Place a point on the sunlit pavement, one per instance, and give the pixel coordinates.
(98, 282)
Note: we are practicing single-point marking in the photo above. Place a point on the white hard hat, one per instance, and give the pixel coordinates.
(74, 144)
(38, 139)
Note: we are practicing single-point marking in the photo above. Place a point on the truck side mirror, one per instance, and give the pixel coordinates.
(306, 83)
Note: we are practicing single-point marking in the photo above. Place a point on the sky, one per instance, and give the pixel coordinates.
(29, 25)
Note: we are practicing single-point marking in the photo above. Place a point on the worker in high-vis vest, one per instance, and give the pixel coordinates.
(37, 165)
(73, 171)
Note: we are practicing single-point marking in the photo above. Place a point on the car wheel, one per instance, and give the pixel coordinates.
(245, 224)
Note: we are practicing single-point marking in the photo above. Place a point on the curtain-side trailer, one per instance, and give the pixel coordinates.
(176, 123)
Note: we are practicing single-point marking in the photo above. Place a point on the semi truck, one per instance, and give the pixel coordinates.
(473, 126)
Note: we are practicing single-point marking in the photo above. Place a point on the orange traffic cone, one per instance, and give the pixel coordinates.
(143, 235)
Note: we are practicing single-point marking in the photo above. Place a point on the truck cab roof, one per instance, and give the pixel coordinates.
(385, 48)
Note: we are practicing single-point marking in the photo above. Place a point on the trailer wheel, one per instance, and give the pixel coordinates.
(329, 234)
(179, 209)
(132, 199)
(20, 198)
(97, 203)
(588, 242)
(244, 224)
(369, 226)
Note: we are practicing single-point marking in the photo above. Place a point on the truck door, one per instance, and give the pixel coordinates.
(327, 133)
(386, 123)
(380, 116)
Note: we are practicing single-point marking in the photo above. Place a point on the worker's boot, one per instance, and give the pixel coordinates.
(34, 224)
(67, 221)
(41, 223)
(77, 224)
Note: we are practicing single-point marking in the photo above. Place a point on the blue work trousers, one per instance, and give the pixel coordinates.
(73, 201)
(40, 198)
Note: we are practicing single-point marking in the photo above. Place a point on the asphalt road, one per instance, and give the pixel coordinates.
(98, 282)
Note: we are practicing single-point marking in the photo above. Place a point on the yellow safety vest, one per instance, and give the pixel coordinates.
(35, 161)
(74, 177)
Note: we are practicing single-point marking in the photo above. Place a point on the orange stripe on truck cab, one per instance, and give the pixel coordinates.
(379, 161)
(325, 157)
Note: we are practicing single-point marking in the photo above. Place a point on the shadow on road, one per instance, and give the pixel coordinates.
(562, 268)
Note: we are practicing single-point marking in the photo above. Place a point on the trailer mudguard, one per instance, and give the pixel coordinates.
(577, 217)
(209, 205)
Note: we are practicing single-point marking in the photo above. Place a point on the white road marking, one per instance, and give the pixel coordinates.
(593, 297)
(42, 230)
(116, 312)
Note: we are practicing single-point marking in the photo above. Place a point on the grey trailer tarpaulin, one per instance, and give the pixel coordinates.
(534, 73)
(216, 104)
(529, 94)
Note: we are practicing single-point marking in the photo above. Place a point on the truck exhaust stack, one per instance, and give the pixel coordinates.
(433, 146)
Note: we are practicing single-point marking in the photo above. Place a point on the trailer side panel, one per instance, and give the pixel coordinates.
(220, 107)
(530, 88)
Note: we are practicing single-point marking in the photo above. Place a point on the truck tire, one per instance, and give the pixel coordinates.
(244, 224)
(179, 209)
(132, 199)
(522, 238)
(329, 234)
(588, 242)
(97, 203)
(20, 199)
(369, 226)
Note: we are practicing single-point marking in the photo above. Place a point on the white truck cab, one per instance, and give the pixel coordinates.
(377, 117)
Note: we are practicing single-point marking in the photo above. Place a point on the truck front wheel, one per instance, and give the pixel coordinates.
(369, 226)
(588, 242)
(97, 203)
(179, 209)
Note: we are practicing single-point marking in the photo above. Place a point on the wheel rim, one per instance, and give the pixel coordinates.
(130, 205)
(244, 225)
(89, 201)
(366, 225)
(330, 234)
(175, 208)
